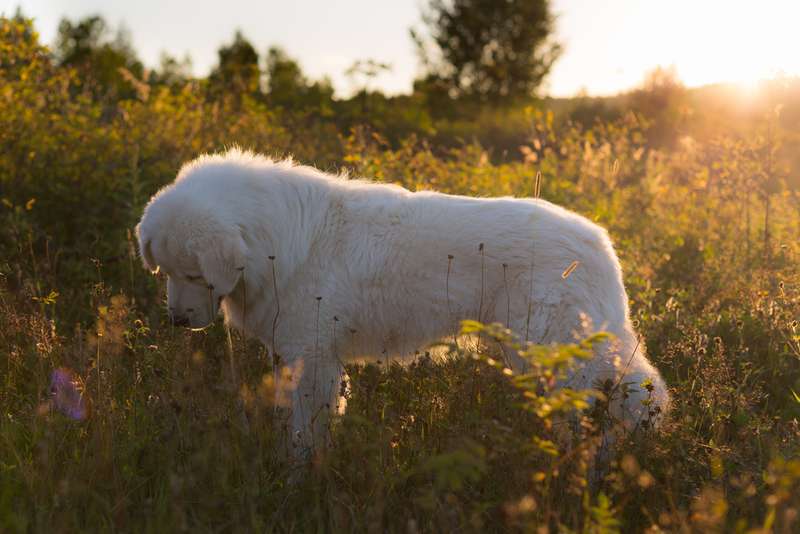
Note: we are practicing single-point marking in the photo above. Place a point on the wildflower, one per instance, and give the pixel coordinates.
(648, 385)
(67, 394)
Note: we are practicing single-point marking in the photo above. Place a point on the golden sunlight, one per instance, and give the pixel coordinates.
(706, 42)
(730, 42)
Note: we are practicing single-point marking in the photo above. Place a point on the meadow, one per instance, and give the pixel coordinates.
(181, 429)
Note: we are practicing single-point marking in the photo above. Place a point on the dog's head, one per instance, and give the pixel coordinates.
(202, 255)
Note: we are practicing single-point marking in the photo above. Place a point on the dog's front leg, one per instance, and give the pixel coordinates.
(316, 384)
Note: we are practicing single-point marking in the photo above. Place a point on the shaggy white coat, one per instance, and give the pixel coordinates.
(324, 269)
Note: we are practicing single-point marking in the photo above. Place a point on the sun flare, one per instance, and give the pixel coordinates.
(733, 42)
(706, 42)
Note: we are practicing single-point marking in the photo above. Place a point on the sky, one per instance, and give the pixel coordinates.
(609, 45)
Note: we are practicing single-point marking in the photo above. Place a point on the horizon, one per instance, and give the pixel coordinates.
(598, 59)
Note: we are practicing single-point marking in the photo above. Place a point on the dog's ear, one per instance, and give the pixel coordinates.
(222, 262)
(144, 249)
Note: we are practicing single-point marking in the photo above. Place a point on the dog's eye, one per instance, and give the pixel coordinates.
(193, 278)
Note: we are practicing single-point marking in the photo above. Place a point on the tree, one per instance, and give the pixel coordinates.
(662, 99)
(288, 87)
(284, 77)
(367, 70)
(20, 48)
(497, 51)
(173, 72)
(237, 73)
(106, 65)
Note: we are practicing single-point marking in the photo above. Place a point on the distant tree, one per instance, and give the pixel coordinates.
(238, 72)
(435, 93)
(105, 65)
(588, 111)
(21, 46)
(172, 72)
(495, 51)
(284, 77)
(288, 88)
(365, 70)
(662, 98)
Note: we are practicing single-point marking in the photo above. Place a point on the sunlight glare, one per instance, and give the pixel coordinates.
(738, 43)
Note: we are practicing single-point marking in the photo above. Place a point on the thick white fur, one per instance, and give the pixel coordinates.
(361, 270)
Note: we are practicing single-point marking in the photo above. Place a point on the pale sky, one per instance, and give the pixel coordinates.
(609, 45)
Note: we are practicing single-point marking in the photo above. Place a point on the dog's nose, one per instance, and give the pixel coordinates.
(179, 320)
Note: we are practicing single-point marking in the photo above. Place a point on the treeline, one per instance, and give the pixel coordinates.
(456, 100)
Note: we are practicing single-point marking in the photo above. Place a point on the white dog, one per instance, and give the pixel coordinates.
(323, 269)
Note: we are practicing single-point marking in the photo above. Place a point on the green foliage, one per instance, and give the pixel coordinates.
(549, 365)
(182, 433)
(601, 517)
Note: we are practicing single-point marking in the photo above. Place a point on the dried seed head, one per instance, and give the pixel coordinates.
(568, 270)
(537, 185)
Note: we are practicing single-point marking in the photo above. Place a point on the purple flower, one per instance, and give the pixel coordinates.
(67, 395)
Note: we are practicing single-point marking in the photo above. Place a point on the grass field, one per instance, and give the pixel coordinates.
(180, 431)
